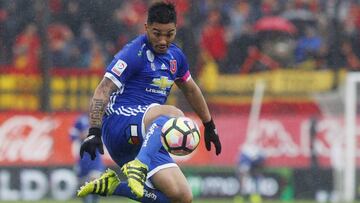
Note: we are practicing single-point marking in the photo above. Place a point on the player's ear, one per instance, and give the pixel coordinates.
(146, 26)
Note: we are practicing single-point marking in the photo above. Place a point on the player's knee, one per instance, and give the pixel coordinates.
(166, 110)
(161, 110)
(181, 195)
(172, 111)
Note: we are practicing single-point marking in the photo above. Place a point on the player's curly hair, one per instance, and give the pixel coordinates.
(162, 12)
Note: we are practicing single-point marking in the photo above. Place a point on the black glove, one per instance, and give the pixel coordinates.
(211, 136)
(91, 143)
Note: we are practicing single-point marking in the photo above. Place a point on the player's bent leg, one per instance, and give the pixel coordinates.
(136, 170)
(104, 186)
(152, 140)
(172, 182)
(154, 119)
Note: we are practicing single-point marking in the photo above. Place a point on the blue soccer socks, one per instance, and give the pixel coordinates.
(150, 195)
(152, 141)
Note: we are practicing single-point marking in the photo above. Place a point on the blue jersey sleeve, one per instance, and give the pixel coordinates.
(125, 64)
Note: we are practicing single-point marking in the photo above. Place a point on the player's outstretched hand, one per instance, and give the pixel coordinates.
(211, 136)
(91, 143)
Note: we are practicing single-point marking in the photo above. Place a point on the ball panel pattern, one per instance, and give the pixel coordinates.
(180, 136)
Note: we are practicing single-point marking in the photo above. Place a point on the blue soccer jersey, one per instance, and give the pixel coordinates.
(144, 77)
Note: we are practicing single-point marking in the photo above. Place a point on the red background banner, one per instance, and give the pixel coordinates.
(43, 140)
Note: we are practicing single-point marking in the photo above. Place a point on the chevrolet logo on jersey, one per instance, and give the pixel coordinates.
(163, 82)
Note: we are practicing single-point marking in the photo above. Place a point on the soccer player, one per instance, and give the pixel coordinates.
(86, 169)
(250, 167)
(128, 111)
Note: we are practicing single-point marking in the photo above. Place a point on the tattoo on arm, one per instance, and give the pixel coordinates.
(99, 102)
(97, 107)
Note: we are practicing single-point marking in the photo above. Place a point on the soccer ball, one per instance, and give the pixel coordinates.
(180, 136)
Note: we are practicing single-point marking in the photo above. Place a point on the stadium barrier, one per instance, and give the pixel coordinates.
(33, 164)
(61, 183)
(71, 88)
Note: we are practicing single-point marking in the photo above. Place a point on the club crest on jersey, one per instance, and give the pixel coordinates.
(119, 67)
(173, 66)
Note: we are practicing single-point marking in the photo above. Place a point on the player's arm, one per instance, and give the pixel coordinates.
(196, 100)
(99, 101)
(97, 107)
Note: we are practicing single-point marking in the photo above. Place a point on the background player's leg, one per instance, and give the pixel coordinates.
(172, 182)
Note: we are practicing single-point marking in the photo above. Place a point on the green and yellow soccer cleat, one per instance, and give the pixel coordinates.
(136, 173)
(104, 186)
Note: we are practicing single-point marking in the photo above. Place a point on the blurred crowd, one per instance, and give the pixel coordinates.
(237, 36)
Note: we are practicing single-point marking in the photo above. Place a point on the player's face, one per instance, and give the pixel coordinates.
(161, 35)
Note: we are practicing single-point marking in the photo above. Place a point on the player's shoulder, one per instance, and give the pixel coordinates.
(134, 47)
(176, 50)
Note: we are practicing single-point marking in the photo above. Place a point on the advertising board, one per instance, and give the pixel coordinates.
(39, 139)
